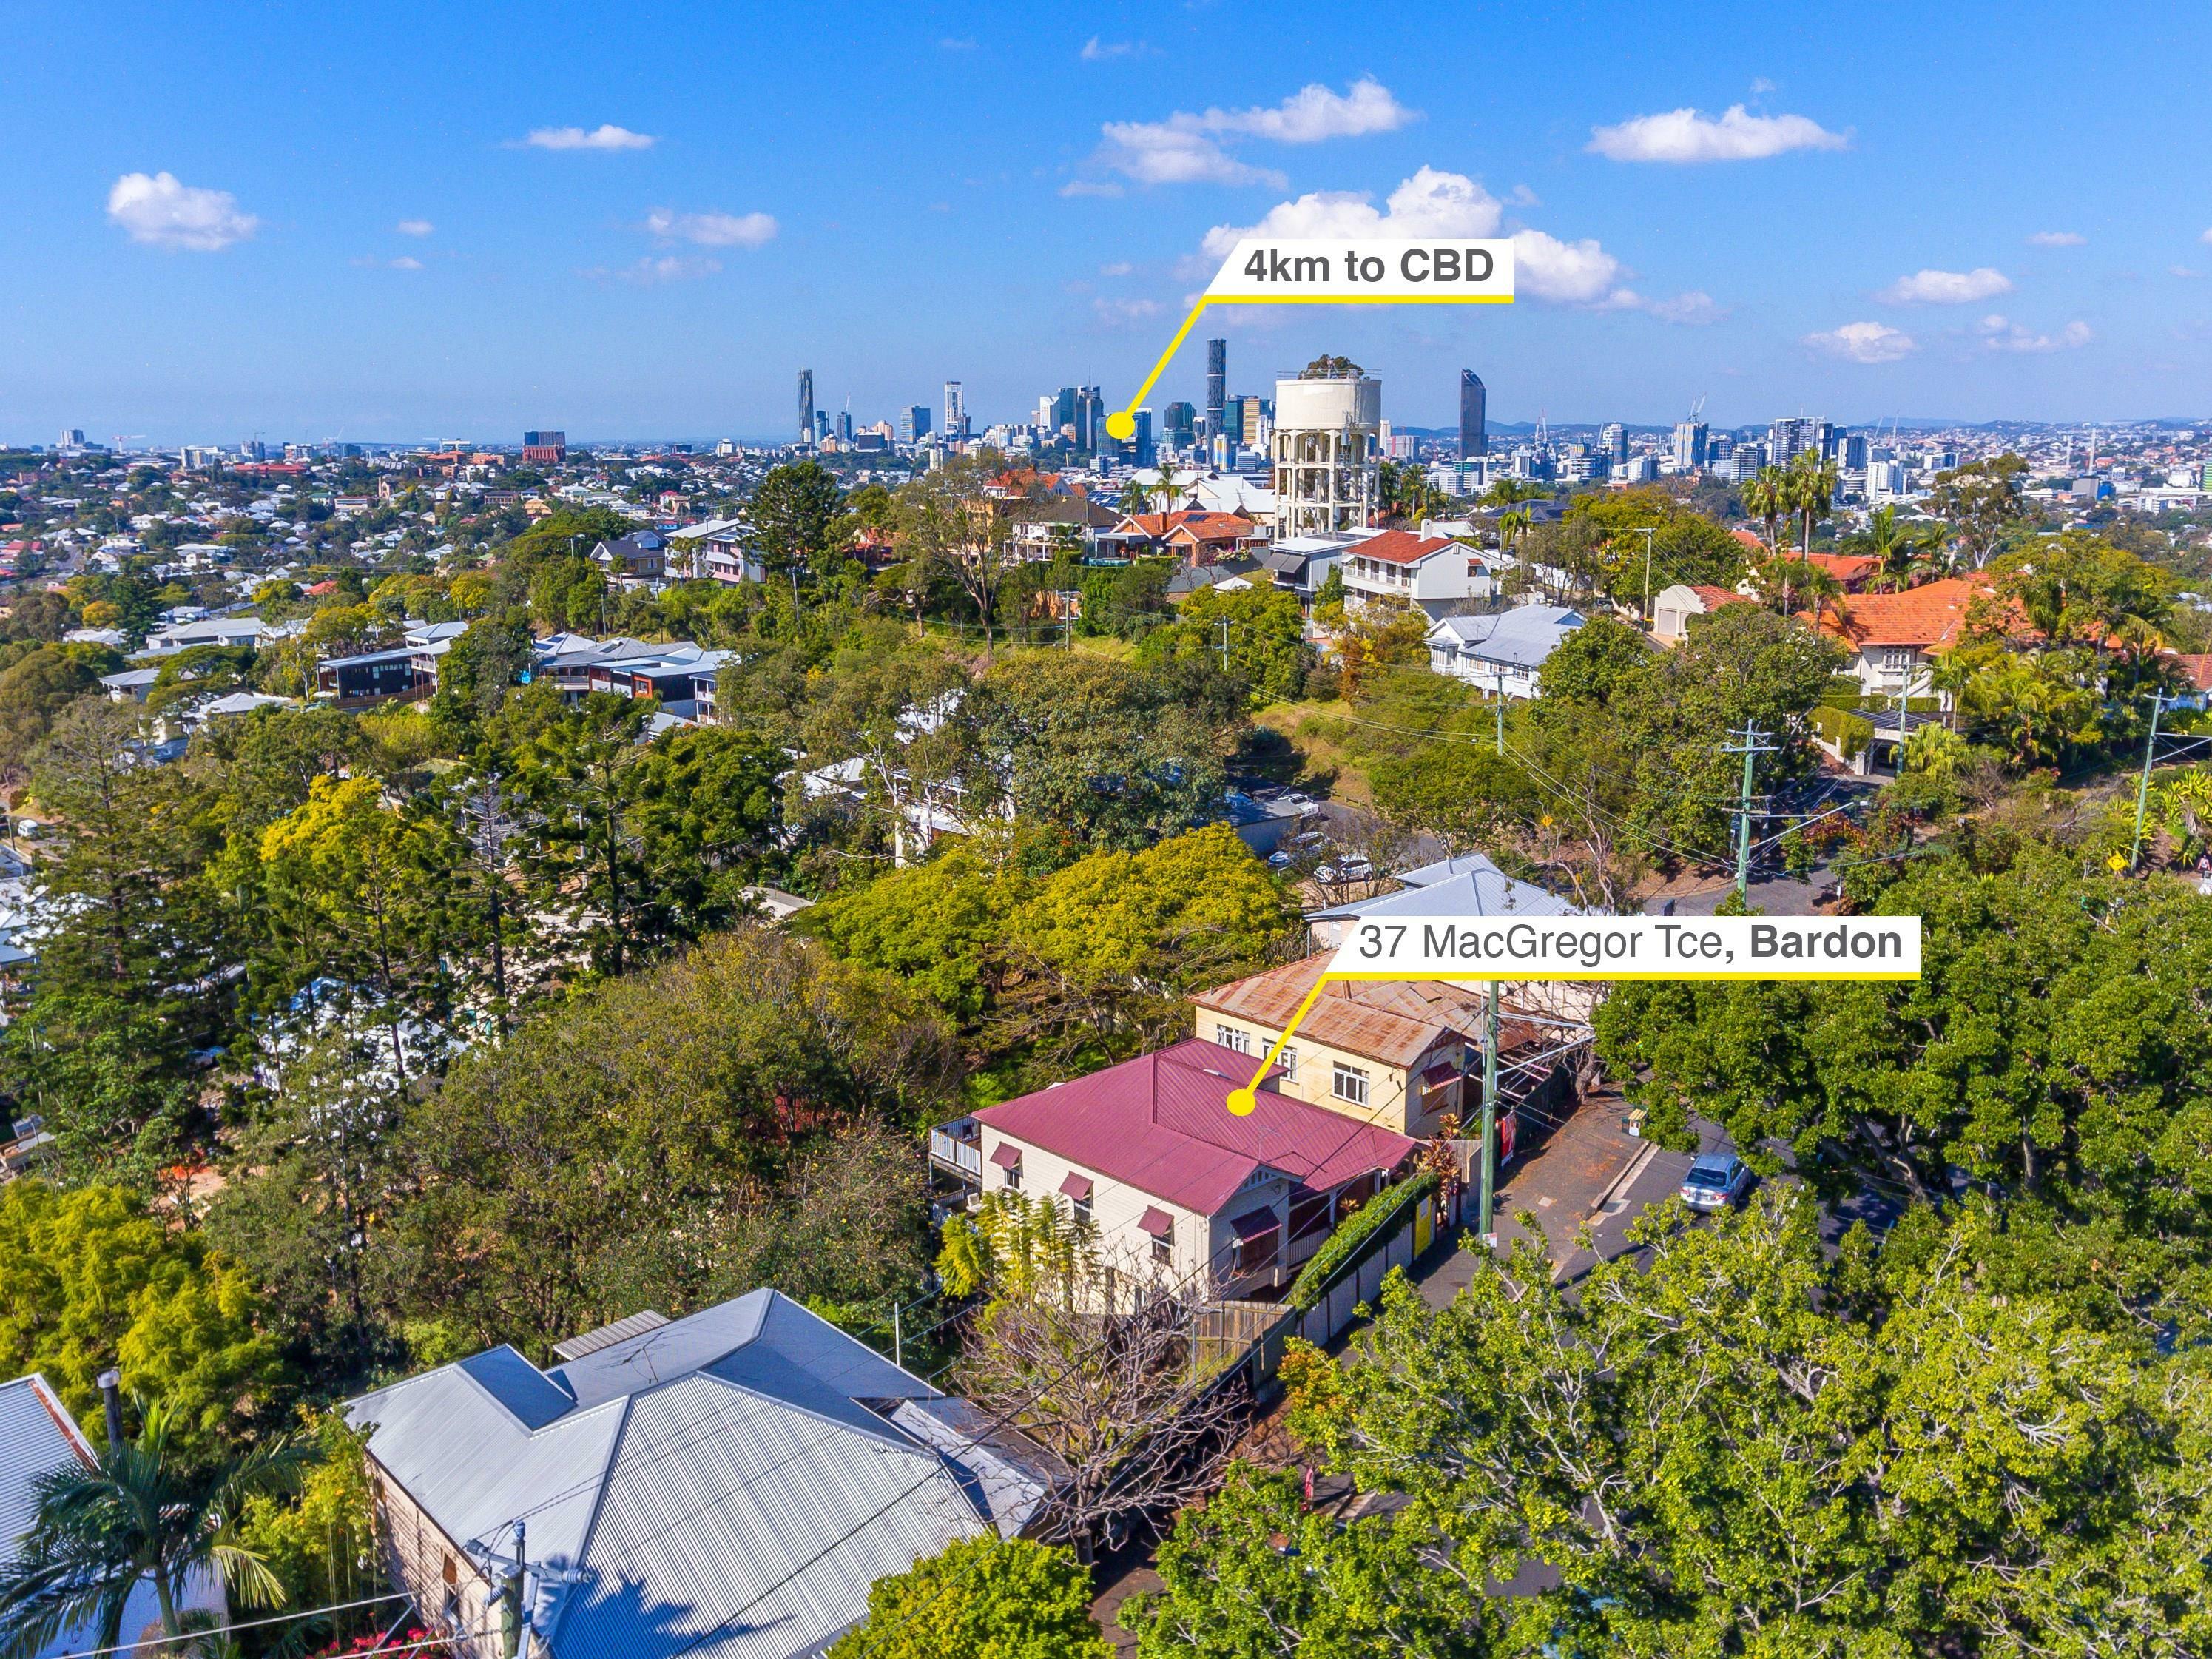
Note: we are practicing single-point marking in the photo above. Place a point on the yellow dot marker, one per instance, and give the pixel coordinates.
(1242, 1102)
(1122, 425)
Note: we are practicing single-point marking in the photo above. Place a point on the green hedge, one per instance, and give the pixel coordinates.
(1847, 732)
(1342, 1248)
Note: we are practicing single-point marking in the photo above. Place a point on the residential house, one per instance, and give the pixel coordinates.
(131, 685)
(1192, 537)
(1045, 528)
(722, 1486)
(1501, 652)
(37, 1437)
(716, 550)
(671, 672)
(1897, 639)
(568, 659)
(641, 556)
(1672, 608)
(1853, 572)
(1405, 1054)
(373, 677)
(1438, 574)
(1301, 564)
(1180, 1188)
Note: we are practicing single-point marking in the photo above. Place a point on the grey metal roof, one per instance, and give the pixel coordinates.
(36, 1438)
(1467, 885)
(728, 1483)
(606, 1336)
(1520, 638)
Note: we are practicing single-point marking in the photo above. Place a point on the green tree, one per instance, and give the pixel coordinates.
(89, 1279)
(33, 691)
(1257, 634)
(936, 925)
(1980, 501)
(1253, 1574)
(576, 773)
(145, 1512)
(982, 1598)
(796, 512)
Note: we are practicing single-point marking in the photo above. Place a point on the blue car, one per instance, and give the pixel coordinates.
(1716, 1181)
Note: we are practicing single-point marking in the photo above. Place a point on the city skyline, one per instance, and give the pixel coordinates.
(315, 237)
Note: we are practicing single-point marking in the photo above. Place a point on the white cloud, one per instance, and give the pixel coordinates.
(1433, 203)
(1687, 134)
(407, 261)
(712, 230)
(155, 209)
(605, 136)
(1693, 308)
(1119, 267)
(1095, 51)
(1946, 288)
(667, 268)
(2206, 237)
(1117, 311)
(1187, 149)
(2002, 334)
(1864, 343)
(2057, 239)
(2182, 270)
(1090, 187)
(414, 227)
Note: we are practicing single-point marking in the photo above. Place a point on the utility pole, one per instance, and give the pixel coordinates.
(1501, 711)
(1489, 1114)
(511, 1610)
(1648, 532)
(2142, 784)
(1751, 750)
(898, 1338)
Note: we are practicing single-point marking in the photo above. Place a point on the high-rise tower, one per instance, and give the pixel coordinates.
(1217, 384)
(1474, 415)
(806, 405)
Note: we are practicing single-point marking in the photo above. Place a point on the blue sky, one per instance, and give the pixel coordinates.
(207, 204)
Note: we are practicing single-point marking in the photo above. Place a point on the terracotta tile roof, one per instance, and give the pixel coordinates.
(1845, 568)
(1393, 1021)
(1401, 547)
(2198, 665)
(1928, 616)
(1161, 1124)
(1717, 597)
(1207, 527)
(1749, 538)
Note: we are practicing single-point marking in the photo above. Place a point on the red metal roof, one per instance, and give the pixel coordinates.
(1161, 1123)
(1156, 1221)
(1402, 547)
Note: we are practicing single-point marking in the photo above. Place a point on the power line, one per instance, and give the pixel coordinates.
(254, 1624)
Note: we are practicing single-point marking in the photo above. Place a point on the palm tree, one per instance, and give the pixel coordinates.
(1906, 551)
(1811, 491)
(142, 1511)
(1766, 497)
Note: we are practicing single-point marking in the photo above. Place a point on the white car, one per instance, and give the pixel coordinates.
(1348, 869)
(1716, 1181)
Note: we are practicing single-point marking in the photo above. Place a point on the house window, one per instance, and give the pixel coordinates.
(1013, 1181)
(1290, 1065)
(1308, 1213)
(1230, 1037)
(1163, 1248)
(1350, 1083)
(1896, 658)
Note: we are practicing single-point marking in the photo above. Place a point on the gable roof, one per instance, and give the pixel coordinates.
(1204, 525)
(1463, 886)
(1395, 1022)
(1404, 547)
(1520, 638)
(1845, 567)
(1714, 598)
(1928, 616)
(728, 1483)
(1161, 1123)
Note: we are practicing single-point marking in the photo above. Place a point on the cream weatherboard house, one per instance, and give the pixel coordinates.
(1181, 1189)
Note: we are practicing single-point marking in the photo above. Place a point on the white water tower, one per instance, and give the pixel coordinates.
(1327, 441)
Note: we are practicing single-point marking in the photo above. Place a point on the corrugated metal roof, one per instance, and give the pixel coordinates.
(36, 1438)
(700, 1465)
(606, 1336)
(1480, 888)
(1519, 638)
(1161, 1124)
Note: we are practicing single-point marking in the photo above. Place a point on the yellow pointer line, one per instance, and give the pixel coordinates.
(1205, 299)
(1242, 1101)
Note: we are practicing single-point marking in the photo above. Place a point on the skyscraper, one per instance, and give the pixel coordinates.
(1792, 436)
(1178, 419)
(1474, 415)
(845, 426)
(916, 423)
(956, 410)
(1613, 438)
(1692, 447)
(1140, 442)
(1216, 384)
(1090, 418)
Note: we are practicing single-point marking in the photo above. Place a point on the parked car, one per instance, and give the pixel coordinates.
(1349, 869)
(1716, 1181)
(1278, 859)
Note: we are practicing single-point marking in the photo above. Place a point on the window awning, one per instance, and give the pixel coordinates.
(1077, 1186)
(1255, 1224)
(1008, 1157)
(1157, 1222)
(1439, 1075)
